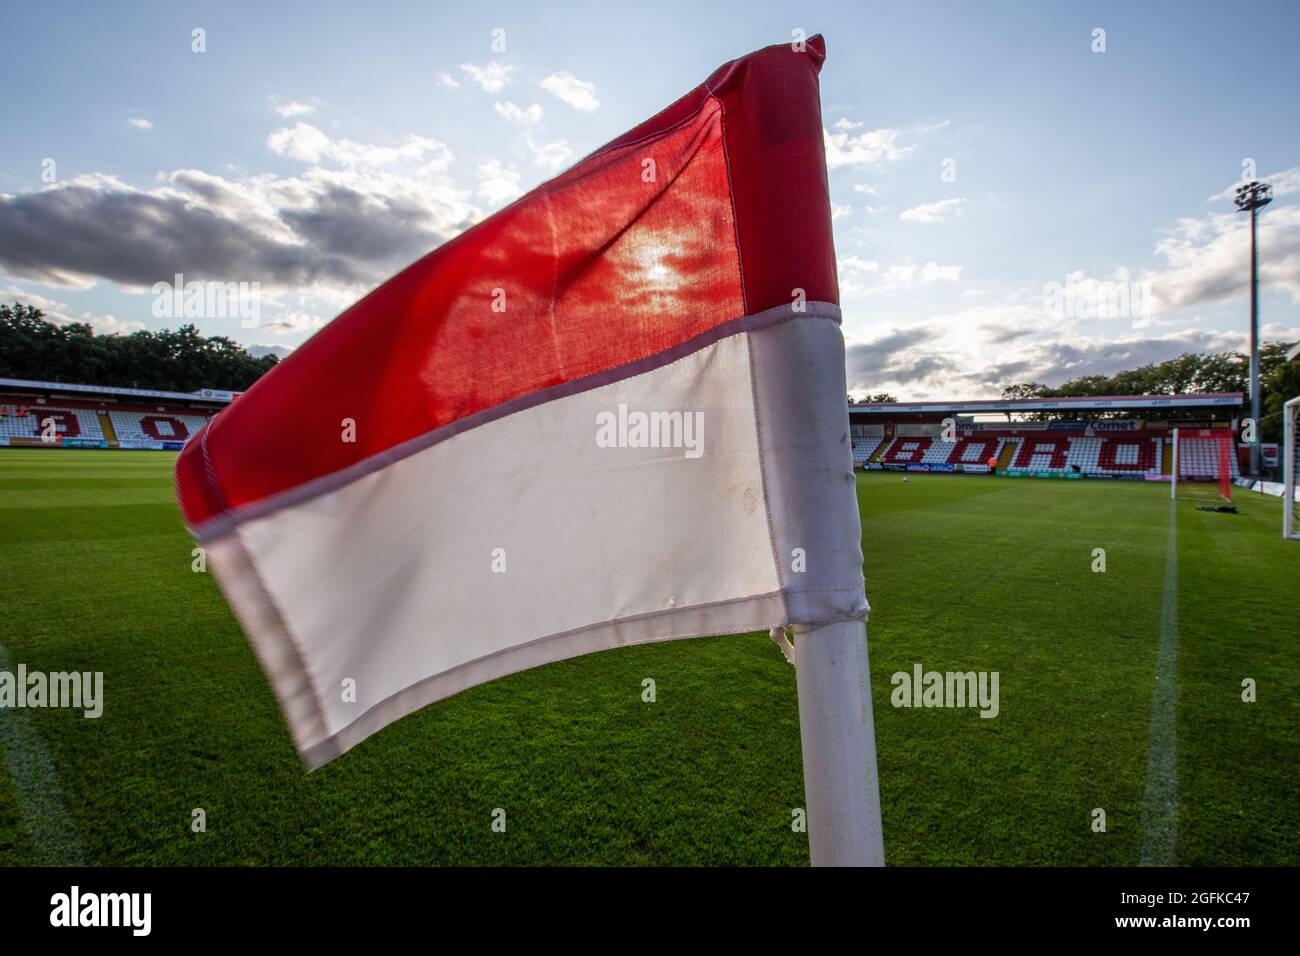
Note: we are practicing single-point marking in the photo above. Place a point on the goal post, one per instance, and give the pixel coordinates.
(1201, 464)
(1290, 467)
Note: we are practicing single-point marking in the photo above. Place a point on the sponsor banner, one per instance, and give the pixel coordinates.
(872, 466)
(942, 467)
(894, 466)
(218, 395)
(139, 444)
(918, 467)
(1122, 425)
(173, 445)
(1269, 455)
(85, 443)
(974, 469)
(1274, 488)
(66, 388)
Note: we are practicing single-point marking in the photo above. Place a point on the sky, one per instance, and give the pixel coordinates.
(1020, 191)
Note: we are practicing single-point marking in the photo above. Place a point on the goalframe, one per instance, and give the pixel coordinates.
(1290, 463)
(1185, 486)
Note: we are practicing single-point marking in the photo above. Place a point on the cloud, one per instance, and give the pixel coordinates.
(1207, 259)
(855, 263)
(497, 184)
(355, 215)
(550, 155)
(531, 116)
(869, 148)
(59, 313)
(895, 358)
(279, 351)
(940, 211)
(867, 188)
(839, 211)
(308, 144)
(140, 123)
(446, 81)
(579, 94)
(847, 124)
(492, 77)
(291, 108)
(293, 322)
(895, 277)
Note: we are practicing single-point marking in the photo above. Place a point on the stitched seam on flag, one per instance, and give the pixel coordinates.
(655, 134)
(210, 470)
(299, 658)
(762, 478)
(329, 745)
(735, 217)
(230, 518)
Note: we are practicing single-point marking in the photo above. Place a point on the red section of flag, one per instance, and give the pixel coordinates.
(712, 210)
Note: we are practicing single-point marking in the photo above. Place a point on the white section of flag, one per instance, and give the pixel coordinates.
(393, 581)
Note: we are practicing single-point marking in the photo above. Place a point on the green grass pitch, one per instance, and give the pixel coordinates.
(963, 573)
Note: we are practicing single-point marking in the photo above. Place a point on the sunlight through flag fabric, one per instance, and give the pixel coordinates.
(610, 414)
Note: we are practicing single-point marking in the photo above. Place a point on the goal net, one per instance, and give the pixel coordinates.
(1203, 464)
(1290, 468)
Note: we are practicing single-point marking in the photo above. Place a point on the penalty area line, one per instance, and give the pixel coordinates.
(1160, 802)
(53, 835)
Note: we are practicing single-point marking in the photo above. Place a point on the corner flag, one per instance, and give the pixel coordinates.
(610, 414)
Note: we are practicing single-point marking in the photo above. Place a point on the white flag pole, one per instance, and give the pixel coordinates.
(841, 785)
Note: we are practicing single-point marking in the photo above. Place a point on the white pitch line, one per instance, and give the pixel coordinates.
(53, 835)
(1160, 803)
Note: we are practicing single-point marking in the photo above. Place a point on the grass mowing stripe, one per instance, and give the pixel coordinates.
(53, 835)
(1160, 804)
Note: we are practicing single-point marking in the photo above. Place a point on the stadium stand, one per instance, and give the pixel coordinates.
(68, 422)
(863, 449)
(154, 426)
(1198, 459)
(1128, 455)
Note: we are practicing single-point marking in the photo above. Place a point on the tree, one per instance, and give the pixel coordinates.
(180, 361)
(1023, 390)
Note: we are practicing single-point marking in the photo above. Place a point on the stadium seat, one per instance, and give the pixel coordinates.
(863, 449)
(68, 422)
(1198, 459)
(1047, 453)
(154, 426)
